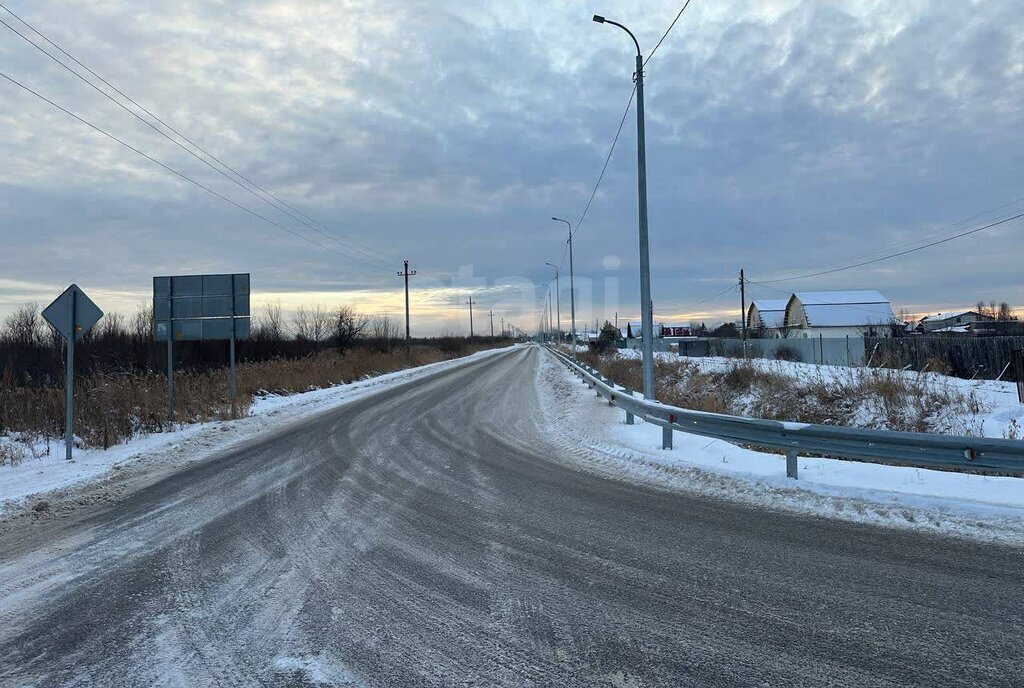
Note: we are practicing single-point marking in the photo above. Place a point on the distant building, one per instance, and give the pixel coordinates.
(1006, 328)
(767, 316)
(944, 321)
(673, 330)
(838, 314)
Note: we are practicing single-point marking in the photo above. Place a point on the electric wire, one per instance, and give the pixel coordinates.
(898, 253)
(166, 167)
(249, 186)
(667, 32)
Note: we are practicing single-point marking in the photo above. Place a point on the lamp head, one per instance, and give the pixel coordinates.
(599, 19)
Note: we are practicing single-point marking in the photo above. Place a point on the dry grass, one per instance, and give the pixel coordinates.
(860, 397)
(114, 409)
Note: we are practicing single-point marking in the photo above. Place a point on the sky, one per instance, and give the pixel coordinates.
(783, 137)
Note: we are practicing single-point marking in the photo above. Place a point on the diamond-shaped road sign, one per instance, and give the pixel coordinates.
(72, 313)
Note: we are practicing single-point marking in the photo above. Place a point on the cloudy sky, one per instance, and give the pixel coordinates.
(784, 137)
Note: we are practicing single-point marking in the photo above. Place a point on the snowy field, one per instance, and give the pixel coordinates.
(1000, 413)
(196, 442)
(990, 508)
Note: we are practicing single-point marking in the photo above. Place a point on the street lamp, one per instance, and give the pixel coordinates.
(646, 316)
(572, 289)
(558, 302)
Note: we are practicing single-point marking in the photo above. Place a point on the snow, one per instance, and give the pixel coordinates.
(194, 442)
(772, 312)
(841, 297)
(1001, 413)
(842, 315)
(983, 507)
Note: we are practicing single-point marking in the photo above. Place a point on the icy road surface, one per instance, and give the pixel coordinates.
(426, 535)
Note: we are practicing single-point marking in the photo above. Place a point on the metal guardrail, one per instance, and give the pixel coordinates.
(974, 454)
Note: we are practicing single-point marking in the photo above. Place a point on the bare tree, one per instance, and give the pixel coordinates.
(319, 324)
(111, 326)
(141, 326)
(384, 334)
(1005, 312)
(269, 325)
(302, 326)
(24, 326)
(348, 326)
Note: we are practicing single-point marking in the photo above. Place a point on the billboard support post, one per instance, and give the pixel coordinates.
(234, 375)
(170, 353)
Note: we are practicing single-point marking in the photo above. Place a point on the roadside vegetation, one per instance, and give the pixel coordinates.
(121, 383)
(777, 390)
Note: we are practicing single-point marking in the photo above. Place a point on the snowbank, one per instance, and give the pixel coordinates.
(950, 503)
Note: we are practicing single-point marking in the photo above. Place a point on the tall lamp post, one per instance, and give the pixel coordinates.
(646, 316)
(572, 289)
(558, 303)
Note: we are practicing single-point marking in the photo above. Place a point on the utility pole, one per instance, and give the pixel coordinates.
(743, 311)
(491, 313)
(572, 289)
(550, 327)
(647, 317)
(470, 317)
(408, 344)
(558, 302)
(503, 328)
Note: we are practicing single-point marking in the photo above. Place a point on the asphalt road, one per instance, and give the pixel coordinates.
(425, 536)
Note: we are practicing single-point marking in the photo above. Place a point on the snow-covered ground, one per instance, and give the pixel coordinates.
(951, 503)
(189, 443)
(1000, 412)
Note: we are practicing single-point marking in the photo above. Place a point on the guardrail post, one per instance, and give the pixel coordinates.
(791, 470)
(666, 438)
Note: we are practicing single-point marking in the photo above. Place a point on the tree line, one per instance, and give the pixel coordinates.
(31, 352)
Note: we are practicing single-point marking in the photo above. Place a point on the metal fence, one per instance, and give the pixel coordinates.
(843, 351)
(970, 454)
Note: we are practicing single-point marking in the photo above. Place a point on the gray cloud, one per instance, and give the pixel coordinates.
(783, 136)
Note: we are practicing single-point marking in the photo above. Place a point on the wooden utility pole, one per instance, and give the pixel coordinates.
(743, 311)
(491, 313)
(408, 344)
(470, 317)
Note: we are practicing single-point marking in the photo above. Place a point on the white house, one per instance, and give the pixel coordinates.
(838, 314)
(767, 316)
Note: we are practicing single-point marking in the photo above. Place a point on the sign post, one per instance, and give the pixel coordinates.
(201, 308)
(72, 314)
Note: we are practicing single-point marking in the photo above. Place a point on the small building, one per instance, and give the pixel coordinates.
(944, 321)
(839, 314)
(767, 317)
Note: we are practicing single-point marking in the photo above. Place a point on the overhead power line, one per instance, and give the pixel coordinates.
(618, 131)
(166, 167)
(228, 172)
(898, 253)
(607, 159)
(667, 32)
